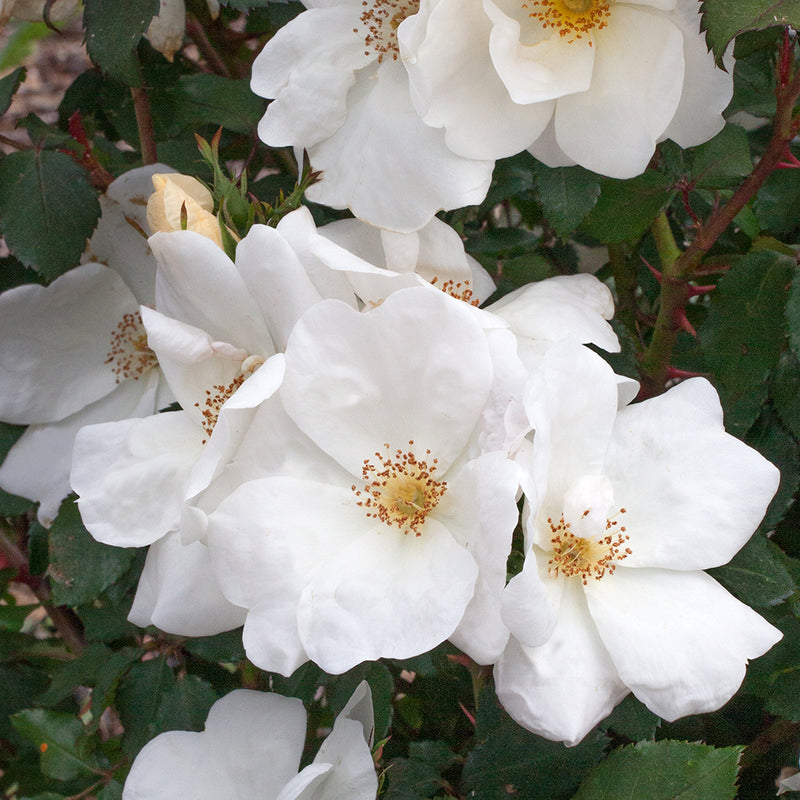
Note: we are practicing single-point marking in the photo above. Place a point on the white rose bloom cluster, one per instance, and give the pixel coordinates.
(329, 436)
(353, 437)
(405, 104)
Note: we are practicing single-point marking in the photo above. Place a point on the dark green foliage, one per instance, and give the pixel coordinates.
(664, 771)
(47, 209)
(744, 332)
(113, 30)
(625, 209)
(80, 567)
(508, 760)
(723, 20)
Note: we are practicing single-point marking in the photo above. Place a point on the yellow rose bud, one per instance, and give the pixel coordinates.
(181, 202)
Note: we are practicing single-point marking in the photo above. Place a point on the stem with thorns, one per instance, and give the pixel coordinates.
(679, 268)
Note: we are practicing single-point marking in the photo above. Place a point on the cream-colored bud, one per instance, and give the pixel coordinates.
(179, 202)
(166, 29)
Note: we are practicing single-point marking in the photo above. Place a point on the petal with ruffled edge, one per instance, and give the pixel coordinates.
(55, 356)
(120, 238)
(636, 85)
(178, 592)
(546, 67)
(693, 493)
(129, 476)
(343, 768)
(309, 67)
(567, 306)
(573, 426)
(455, 86)
(267, 539)
(232, 426)
(388, 594)
(38, 465)
(202, 373)
(563, 688)
(386, 165)
(679, 641)
(707, 90)
(199, 285)
(251, 747)
(479, 508)
(356, 381)
(277, 279)
(531, 600)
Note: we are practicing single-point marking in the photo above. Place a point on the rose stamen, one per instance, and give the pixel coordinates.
(587, 558)
(399, 488)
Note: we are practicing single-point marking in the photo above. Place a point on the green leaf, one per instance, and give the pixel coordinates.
(723, 20)
(222, 647)
(785, 390)
(47, 209)
(509, 761)
(113, 30)
(81, 671)
(756, 574)
(203, 99)
(151, 700)
(567, 195)
(108, 678)
(770, 438)
(380, 683)
(21, 684)
(9, 86)
(113, 791)
(10, 504)
(80, 567)
(775, 676)
(723, 161)
(664, 771)
(409, 779)
(61, 740)
(626, 209)
(744, 332)
(793, 315)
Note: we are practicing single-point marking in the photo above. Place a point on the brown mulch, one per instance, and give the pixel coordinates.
(55, 61)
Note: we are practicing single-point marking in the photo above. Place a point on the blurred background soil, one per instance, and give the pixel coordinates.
(52, 59)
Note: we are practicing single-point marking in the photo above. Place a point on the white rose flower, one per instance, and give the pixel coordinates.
(342, 94)
(590, 82)
(625, 511)
(75, 352)
(214, 332)
(434, 253)
(251, 747)
(374, 532)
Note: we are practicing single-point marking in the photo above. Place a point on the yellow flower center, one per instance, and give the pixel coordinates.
(586, 557)
(129, 356)
(399, 488)
(571, 18)
(380, 20)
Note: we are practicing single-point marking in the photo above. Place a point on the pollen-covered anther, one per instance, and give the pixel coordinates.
(571, 18)
(215, 399)
(379, 22)
(400, 488)
(129, 356)
(461, 290)
(587, 557)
